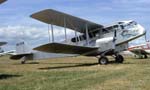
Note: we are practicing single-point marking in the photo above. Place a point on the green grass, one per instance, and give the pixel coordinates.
(77, 73)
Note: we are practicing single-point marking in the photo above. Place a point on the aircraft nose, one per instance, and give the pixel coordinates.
(142, 30)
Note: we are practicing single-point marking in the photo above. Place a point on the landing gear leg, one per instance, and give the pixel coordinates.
(103, 60)
(23, 60)
(119, 58)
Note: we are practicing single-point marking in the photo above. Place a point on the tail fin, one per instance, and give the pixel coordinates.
(22, 48)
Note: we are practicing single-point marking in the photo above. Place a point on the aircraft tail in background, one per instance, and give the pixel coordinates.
(23, 48)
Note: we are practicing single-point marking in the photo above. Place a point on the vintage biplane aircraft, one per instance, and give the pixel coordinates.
(94, 39)
(10, 52)
(1, 1)
(141, 51)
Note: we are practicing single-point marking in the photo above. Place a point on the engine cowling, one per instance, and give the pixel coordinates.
(105, 43)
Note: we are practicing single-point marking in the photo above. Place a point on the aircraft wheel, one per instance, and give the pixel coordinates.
(23, 62)
(103, 60)
(119, 59)
(145, 56)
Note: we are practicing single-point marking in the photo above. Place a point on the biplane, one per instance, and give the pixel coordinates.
(141, 51)
(94, 39)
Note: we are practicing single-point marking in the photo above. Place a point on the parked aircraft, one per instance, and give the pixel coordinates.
(10, 52)
(1, 1)
(1, 44)
(142, 51)
(95, 39)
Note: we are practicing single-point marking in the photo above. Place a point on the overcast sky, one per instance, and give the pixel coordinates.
(16, 25)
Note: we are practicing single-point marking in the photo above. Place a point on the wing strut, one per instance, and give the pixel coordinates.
(65, 29)
(49, 34)
(87, 35)
(76, 37)
(52, 32)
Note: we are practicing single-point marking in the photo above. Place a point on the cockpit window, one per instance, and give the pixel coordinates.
(133, 23)
(128, 25)
(114, 27)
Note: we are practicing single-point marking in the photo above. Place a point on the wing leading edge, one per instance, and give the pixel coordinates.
(50, 16)
(2, 43)
(1, 1)
(65, 49)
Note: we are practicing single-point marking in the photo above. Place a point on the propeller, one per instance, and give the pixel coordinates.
(114, 39)
(115, 35)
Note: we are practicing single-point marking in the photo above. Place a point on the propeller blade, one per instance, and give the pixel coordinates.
(115, 35)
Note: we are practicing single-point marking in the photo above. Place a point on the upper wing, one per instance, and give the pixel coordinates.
(65, 49)
(1, 1)
(2, 43)
(61, 19)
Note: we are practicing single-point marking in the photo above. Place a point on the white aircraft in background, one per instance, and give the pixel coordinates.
(142, 51)
(2, 1)
(1, 44)
(94, 39)
(11, 52)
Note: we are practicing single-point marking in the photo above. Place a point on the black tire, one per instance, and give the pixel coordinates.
(145, 56)
(23, 62)
(103, 60)
(119, 59)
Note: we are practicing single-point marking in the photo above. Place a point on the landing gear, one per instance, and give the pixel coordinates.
(23, 61)
(119, 59)
(103, 60)
(145, 56)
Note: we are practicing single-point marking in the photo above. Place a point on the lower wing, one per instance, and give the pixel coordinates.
(66, 49)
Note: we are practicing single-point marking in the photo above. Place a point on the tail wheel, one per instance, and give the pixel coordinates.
(119, 59)
(103, 60)
(23, 62)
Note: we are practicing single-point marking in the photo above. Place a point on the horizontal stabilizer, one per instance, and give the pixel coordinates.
(1, 1)
(65, 48)
(50, 16)
(19, 56)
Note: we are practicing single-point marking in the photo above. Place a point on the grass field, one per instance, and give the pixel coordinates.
(77, 73)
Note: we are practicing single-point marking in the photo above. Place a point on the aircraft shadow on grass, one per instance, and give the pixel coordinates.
(33, 63)
(71, 66)
(6, 76)
(27, 63)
